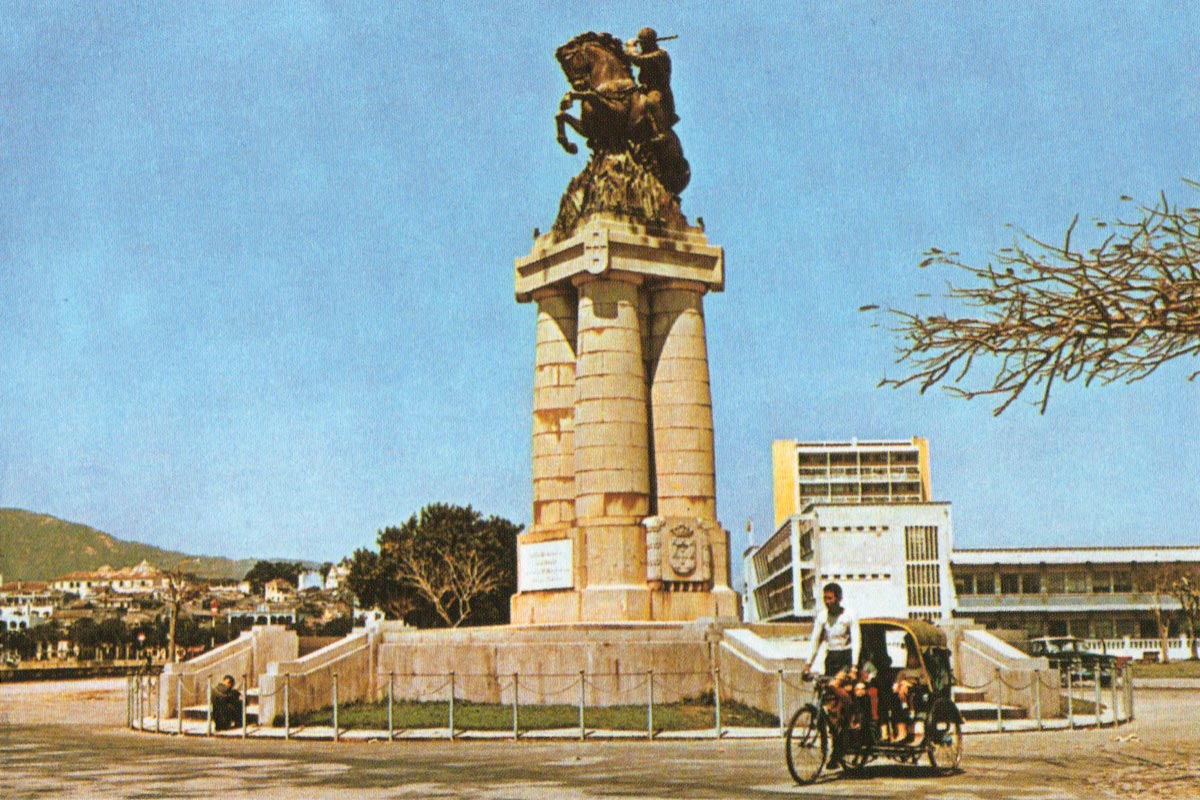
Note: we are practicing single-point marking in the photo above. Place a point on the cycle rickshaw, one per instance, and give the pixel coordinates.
(838, 726)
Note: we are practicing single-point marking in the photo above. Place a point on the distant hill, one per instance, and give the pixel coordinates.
(38, 547)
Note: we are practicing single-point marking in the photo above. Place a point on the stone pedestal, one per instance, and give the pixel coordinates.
(624, 502)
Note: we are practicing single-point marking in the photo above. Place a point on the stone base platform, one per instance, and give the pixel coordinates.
(613, 661)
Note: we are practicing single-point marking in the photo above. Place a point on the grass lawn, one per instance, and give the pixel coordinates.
(1176, 669)
(686, 715)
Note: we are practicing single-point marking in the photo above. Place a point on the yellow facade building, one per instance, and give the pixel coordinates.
(856, 471)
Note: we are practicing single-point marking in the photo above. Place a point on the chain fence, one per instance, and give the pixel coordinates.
(1019, 700)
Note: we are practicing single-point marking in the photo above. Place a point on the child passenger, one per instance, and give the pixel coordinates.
(907, 685)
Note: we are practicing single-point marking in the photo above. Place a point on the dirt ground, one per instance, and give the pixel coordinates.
(67, 740)
(98, 702)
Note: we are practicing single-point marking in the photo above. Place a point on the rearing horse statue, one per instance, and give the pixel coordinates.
(613, 116)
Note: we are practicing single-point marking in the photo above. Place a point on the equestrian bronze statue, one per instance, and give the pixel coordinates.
(628, 125)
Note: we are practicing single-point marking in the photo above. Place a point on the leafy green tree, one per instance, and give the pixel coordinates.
(263, 572)
(85, 633)
(1186, 589)
(112, 633)
(446, 565)
(375, 583)
(1042, 312)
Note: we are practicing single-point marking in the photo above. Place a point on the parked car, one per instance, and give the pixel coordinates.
(1068, 655)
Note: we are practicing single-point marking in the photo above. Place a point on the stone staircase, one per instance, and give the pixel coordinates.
(975, 706)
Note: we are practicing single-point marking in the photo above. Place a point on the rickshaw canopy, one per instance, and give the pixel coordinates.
(926, 634)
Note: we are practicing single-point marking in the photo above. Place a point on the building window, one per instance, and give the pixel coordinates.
(1031, 583)
(1056, 582)
(1010, 583)
(806, 547)
(920, 543)
(923, 569)
(964, 584)
(1101, 582)
(1077, 582)
(985, 583)
(1127, 627)
(779, 560)
(1122, 582)
(807, 591)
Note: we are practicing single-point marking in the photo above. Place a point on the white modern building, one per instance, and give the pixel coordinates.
(1101, 593)
(890, 560)
(857, 513)
(895, 557)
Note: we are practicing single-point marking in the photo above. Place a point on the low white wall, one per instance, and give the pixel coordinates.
(309, 681)
(1179, 648)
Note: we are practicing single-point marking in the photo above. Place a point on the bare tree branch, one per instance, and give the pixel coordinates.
(1042, 313)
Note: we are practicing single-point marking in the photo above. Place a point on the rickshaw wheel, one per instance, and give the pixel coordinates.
(806, 745)
(943, 737)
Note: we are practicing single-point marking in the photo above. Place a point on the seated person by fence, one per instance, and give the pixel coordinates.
(226, 705)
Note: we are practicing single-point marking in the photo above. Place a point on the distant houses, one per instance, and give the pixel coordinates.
(101, 613)
(143, 579)
(278, 591)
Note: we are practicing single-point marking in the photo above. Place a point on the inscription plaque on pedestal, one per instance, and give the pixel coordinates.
(544, 566)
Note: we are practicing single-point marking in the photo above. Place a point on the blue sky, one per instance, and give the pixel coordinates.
(256, 259)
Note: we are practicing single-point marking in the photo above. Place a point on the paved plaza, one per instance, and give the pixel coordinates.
(68, 741)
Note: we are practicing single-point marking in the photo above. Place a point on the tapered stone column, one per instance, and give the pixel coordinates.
(554, 409)
(681, 405)
(612, 458)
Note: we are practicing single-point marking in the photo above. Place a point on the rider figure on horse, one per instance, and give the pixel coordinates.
(654, 75)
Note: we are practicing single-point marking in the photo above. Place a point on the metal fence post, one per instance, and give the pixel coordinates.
(391, 703)
(179, 702)
(717, 699)
(1129, 691)
(650, 704)
(516, 725)
(582, 694)
(1037, 697)
(245, 701)
(336, 732)
(999, 707)
(1070, 700)
(137, 702)
(129, 701)
(1112, 694)
(158, 704)
(451, 705)
(781, 723)
(209, 726)
(287, 705)
(1096, 678)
